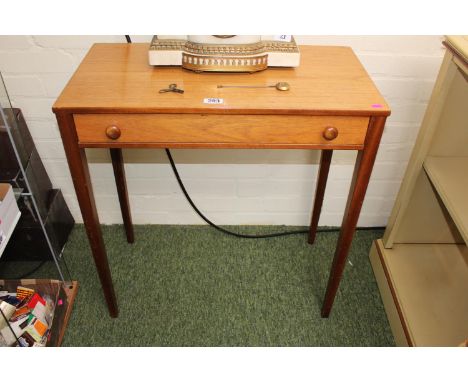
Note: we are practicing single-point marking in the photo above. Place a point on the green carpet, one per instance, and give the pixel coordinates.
(193, 286)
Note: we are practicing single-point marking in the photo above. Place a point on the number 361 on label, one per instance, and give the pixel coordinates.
(215, 101)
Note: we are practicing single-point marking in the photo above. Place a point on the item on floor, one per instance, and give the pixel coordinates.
(29, 318)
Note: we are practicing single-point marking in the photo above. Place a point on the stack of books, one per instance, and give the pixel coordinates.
(26, 317)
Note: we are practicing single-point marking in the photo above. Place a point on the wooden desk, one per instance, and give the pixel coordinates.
(115, 86)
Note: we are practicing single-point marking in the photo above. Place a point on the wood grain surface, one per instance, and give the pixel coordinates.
(116, 78)
(195, 130)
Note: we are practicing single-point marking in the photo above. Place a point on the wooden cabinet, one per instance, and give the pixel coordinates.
(421, 264)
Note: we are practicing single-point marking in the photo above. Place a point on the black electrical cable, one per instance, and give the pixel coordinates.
(265, 236)
(189, 199)
(127, 37)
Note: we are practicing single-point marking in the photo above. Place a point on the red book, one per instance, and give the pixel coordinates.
(34, 300)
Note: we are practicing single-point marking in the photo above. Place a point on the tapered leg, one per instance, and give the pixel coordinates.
(119, 174)
(84, 192)
(362, 172)
(325, 160)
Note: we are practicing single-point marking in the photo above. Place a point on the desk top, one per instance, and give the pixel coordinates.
(116, 78)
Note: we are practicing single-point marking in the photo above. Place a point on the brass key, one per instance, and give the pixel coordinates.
(172, 88)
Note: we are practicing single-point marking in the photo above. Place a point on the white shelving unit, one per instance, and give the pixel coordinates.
(421, 264)
(449, 175)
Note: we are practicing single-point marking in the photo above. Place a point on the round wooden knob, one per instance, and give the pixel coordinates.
(330, 133)
(113, 132)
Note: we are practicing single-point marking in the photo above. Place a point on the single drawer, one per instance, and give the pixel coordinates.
(234, 131)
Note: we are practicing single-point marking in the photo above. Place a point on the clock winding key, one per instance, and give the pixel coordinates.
(281, 86)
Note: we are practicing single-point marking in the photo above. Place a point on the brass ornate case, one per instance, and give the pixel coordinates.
(223, 57)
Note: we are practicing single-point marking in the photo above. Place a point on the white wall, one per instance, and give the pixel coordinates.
(231, 186)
